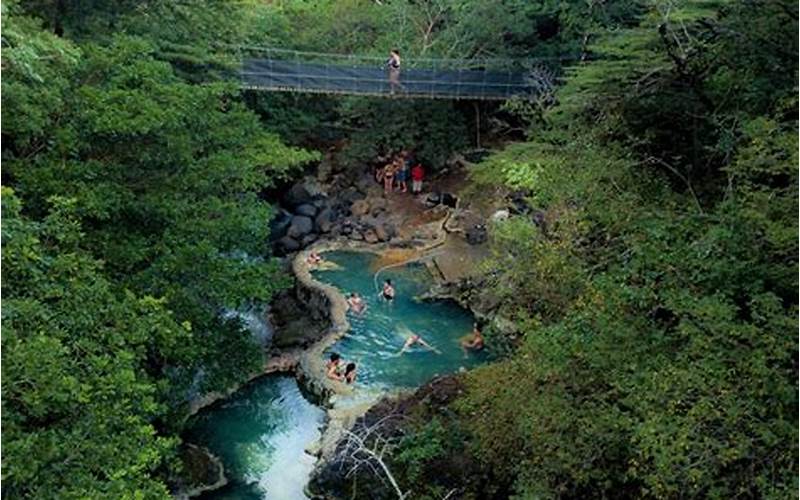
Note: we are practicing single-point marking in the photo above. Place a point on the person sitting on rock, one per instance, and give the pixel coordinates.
(356, 303)
(388, 290)
(416, 339)
(332, 367)
(475, 343)
(350, 373)
(314, 258)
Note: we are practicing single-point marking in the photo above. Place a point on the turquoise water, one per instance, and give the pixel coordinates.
(378, 334)
(260, 435)
(261, 432)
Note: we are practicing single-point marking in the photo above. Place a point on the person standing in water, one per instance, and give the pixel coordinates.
(393, 66)
(332, 367)
(356, 303)
(388, 290)
(350, 373)
(475, 343)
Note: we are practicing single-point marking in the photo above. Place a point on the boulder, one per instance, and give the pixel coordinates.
(449, 200)
(286, 245)
(356, 235)
(324, 221)
(477, 234)
(370, 236)
(359, 207)
(301, 225)
(324, 169)
(500, 215)
(280, 223)
(347, 227)
(433, 199)
(308, 239)
(306, 209)
(382, 233)
(351, 194)
(485, 302)
(297, 195)
(377, 205)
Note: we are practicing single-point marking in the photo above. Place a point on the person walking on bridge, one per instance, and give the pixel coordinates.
(393, 66)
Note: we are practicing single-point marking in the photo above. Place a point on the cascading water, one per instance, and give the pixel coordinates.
(260, 433)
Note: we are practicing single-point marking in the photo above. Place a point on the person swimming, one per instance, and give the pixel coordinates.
(388, 290)
(475, 343)
(356, 303)
(416, 339)
(350, 373)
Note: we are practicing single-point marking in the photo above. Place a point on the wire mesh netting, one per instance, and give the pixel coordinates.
(294, 71)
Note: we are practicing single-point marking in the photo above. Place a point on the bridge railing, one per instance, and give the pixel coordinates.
(301, 71)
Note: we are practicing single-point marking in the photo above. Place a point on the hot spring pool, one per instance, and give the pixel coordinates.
(260, 434)
(262, 431)
(376, 336)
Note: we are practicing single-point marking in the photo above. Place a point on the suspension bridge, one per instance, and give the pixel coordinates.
(282, 70)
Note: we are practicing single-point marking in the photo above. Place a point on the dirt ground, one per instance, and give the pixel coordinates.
(456, 259)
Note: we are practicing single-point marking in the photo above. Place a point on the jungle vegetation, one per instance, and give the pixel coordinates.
(654, 299)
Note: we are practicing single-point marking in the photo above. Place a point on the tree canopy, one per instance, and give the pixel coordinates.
(652, 277)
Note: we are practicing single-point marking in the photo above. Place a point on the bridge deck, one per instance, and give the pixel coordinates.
(299, 76)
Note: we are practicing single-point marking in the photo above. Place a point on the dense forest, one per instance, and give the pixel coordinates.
(655, 300)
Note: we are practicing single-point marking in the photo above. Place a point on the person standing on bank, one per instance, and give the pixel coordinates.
(417, 174)
(393, 66)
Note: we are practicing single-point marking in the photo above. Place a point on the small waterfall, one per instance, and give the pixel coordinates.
(255, 319)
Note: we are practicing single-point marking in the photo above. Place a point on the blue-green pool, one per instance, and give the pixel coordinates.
(262, 431)
(376, 336)
(260, 434)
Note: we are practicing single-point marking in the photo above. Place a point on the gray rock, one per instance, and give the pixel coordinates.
(280, 223)
(356, 235)
(370, 236)
(297, 195)
(347, 227)
(433, 199)
(377, 205)
(485, 302)
(351, 194)
(324, 221)
(308, 239)
(359, 207)
(301, 225)
(385, 231)
(381, 233)
(306, 209)
(477, 234)
(368, 221)
(287, 244)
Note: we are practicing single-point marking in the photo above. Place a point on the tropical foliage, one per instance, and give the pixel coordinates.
(653, 279)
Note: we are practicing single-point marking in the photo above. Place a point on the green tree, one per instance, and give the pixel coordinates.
(82, 367)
